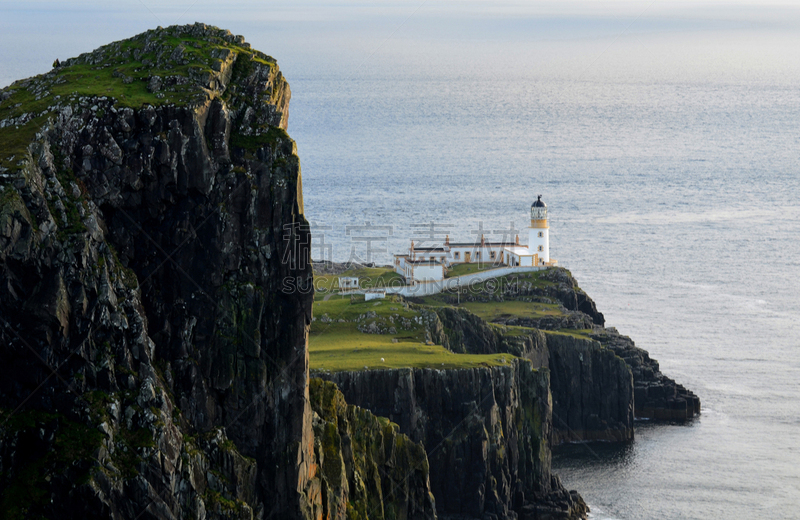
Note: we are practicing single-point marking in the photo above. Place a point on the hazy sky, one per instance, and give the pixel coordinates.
(353, 37)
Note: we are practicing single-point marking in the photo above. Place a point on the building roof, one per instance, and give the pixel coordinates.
(424, 262)
(428, 248)
(478, 244)
(539, 203)
(519, 250)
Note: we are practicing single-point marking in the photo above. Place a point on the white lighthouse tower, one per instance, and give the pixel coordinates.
(539, 232)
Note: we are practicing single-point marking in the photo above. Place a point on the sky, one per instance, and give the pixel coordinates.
(317, 36)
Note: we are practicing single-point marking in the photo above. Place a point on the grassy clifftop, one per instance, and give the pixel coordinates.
(355, 334)
(349, 333)
(179, 65)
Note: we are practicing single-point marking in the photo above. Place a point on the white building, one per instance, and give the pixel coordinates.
(347, 283)
(374, 294)
(418, 269)
(423, 264)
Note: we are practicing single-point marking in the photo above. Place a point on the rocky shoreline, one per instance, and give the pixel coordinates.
(593, 384)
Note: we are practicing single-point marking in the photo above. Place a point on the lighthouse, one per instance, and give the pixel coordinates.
(539, 232)
(429, 263)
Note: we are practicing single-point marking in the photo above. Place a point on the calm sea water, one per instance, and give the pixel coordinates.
(666, 146)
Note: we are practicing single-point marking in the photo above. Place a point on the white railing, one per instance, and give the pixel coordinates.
(426, 288)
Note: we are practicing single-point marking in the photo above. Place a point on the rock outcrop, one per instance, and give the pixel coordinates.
(656, 396)
(591, 387)
(554, 286)
(486, 431)
(462, 332)
(592, 391)
(599, 379)
(368, 468)
(155, 292)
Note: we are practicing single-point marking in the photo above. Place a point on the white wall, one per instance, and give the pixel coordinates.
(428, 272)
(434, 287)
(534, 241)
(430, 255)
(485, 254)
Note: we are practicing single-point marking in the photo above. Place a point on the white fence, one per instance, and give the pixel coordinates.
(463, 282)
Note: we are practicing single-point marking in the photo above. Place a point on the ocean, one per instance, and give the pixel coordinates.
(665, 140)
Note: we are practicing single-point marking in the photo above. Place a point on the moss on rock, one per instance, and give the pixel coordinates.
(369, 469)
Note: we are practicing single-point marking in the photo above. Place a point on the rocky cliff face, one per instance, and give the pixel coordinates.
(591, 386)
(486, 431)
(656, 395)
(462, 332)
(592, 391)
(599, 379)
(369, 469)
(153, 317)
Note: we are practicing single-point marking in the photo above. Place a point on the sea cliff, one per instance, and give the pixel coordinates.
(489, 429)
(487, 432)
(156, 366)
(150, 209)
(595, 370)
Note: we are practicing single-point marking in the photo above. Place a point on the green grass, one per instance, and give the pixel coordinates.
(337, 346)
(491, 311)
(253, 142)
(368, 277)
(462, 269)
(513, 330)
(434, 301)
(575, 333)
(117, 75)
(491, 287)
(14, 141)
(341, 350)
(535, 278)
(339, 307)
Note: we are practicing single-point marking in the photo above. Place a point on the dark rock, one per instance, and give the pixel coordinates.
(591, 387)
(461, 331)
(592, 391)
(593, 396)
(155, 302)
(369, 468)
(486, 431)
(656, 395)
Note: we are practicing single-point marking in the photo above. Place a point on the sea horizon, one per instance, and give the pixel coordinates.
(664, 137)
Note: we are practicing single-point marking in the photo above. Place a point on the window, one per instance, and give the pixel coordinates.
(493, 255)
(541, 234)
(456, 255)
(478, 254)
(541, 248)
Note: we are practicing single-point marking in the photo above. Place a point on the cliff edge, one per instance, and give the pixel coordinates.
(150, 209)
